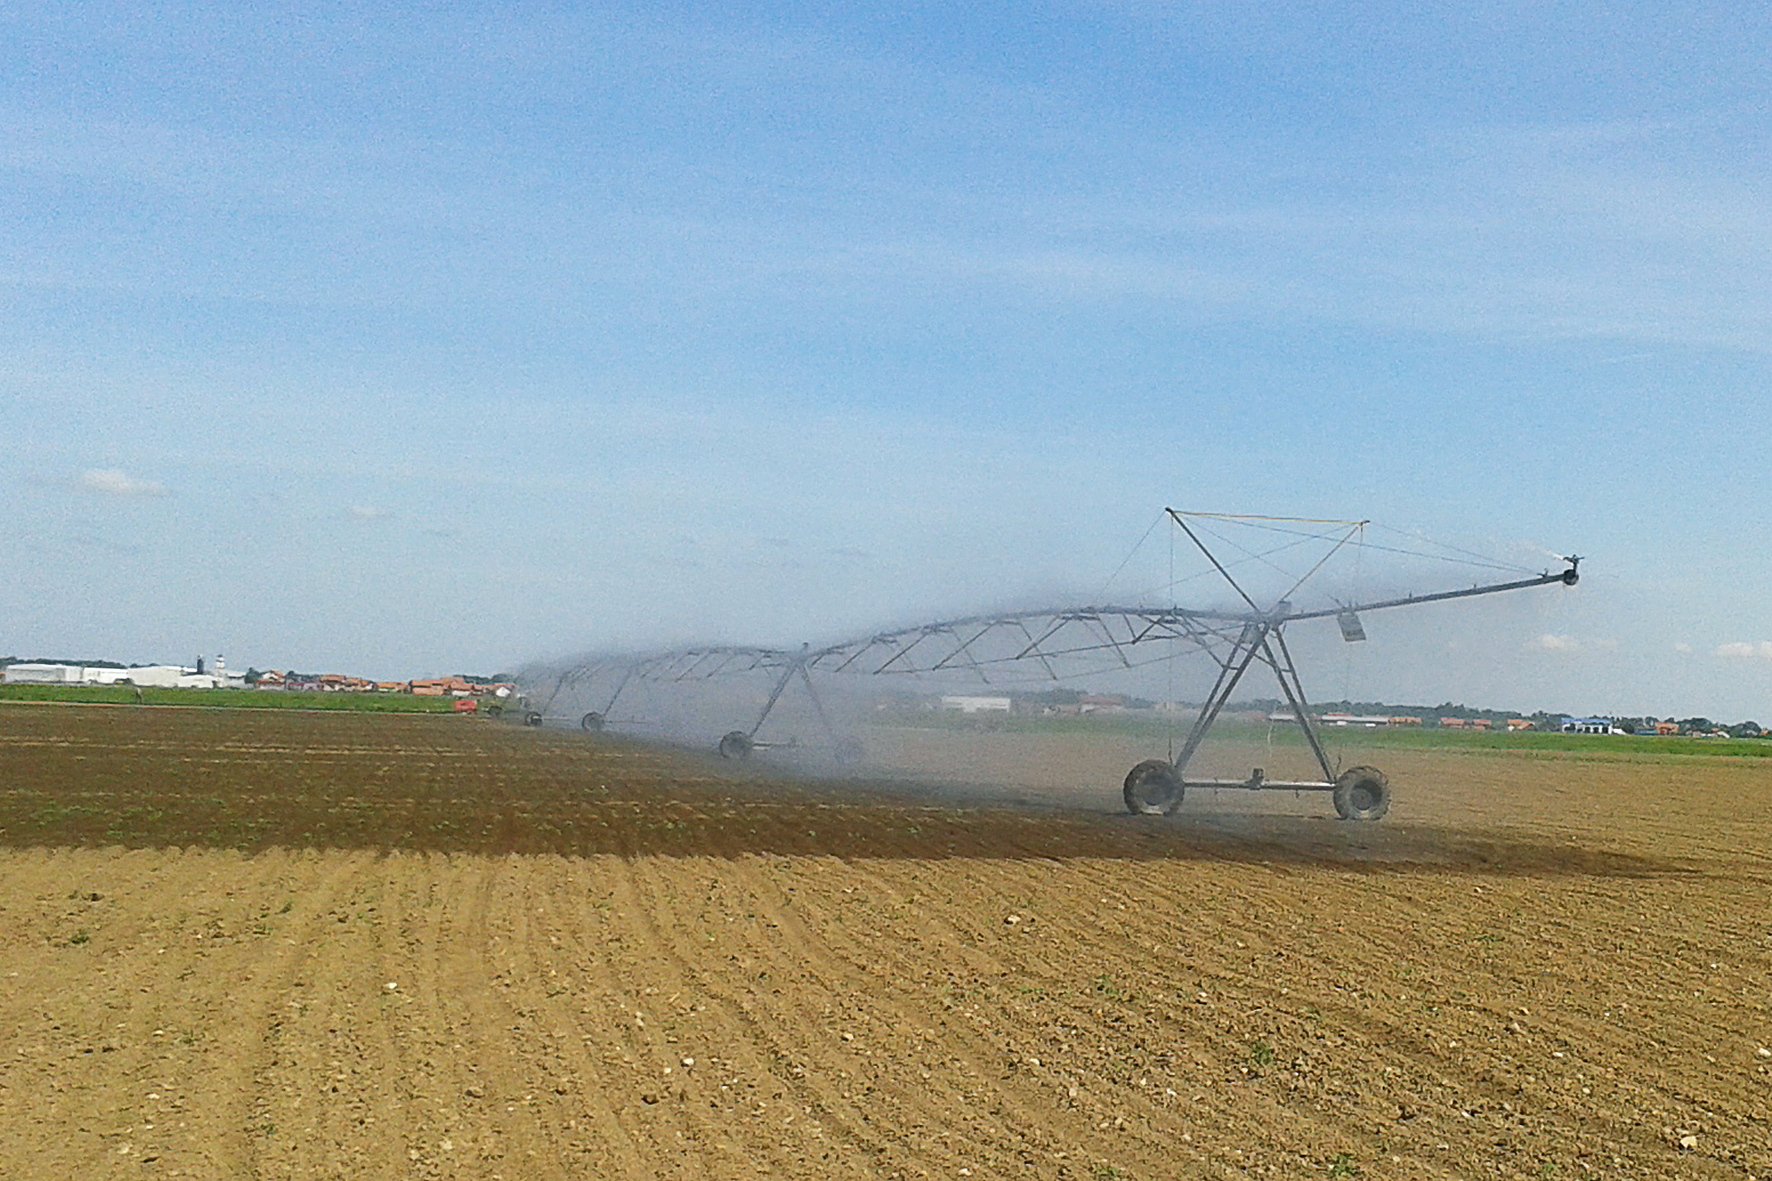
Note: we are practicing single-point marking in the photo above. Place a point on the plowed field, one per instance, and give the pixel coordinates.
(238, 945)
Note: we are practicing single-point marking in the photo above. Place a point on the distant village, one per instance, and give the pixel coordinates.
(1063, 702)
(1047, 703)
(217, 675)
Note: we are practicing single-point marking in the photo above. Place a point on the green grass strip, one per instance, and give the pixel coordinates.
(229, 698)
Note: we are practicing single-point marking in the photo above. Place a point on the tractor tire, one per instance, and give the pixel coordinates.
(736, 745)
(1362, 793)
(1153, 789)
(591, 722)
(532, 718)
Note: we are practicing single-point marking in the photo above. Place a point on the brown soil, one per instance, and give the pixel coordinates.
(302, 945)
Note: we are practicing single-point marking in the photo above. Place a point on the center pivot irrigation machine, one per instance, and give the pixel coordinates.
(1060, 644)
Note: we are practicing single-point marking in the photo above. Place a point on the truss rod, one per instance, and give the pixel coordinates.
(1567, 577)
(1290, 684)
(1213, 558)
(1248, 644)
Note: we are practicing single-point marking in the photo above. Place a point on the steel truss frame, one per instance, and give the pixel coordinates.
(997, 647)
(1263, 639)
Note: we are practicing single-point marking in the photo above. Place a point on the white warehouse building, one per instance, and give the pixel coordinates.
(147, 676)
(968, 704)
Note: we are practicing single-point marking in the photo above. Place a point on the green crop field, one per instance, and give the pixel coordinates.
(1604, 746)
(228, 698)
(1145, 724)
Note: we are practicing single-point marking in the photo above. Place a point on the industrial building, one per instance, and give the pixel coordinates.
(146, 676)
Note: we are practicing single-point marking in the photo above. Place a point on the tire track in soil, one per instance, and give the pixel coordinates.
(748, 1050)
(70, 925)
(1114, 960)
(1168, 981)
(830, 952)
(325, 1085)
(1363, 1025)
(453, 1025)
(1480, 1081)
(239, 1024)
(844, 1065)
(177, 1050)
(569, 1030)
(994, 966)
(574, 1023)
(937, 958)
(333, 1093)
(511, 1070)
(666, 1100)
(527, 1074)
(1440, 1060)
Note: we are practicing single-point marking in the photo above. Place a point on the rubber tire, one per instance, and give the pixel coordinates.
(1153, 789)
(532, 718)
(1362, 793)
(591, 722)
(736, 745)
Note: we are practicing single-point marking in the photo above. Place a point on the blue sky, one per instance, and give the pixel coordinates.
(396, 342)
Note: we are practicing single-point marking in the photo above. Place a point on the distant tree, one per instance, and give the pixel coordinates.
(1053, 697)
(47, 660)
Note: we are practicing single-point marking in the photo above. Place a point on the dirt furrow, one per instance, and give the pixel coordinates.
(608, 960)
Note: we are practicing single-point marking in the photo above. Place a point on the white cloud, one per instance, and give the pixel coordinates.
(1740, 650)
(360, 512)
(1551, 642)
(116, 482)
(1683, 648)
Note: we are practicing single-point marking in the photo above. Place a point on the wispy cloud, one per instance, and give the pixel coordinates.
(1742, 650)
(117, 482)
(1551, 642)
(363, 512)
